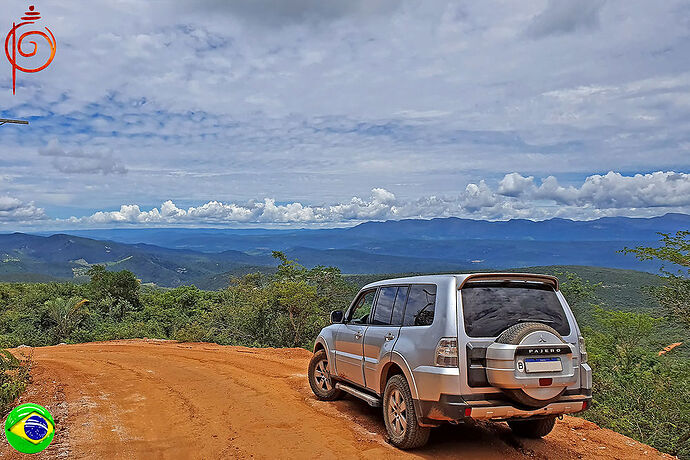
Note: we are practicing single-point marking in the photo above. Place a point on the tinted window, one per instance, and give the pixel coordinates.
(384, 305)
(491, 308)
(399, 307)
(361, 310)
(421, 303)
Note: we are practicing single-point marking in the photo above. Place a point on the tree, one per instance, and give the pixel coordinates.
(66, 314)
(117, 292)
(675, 249)
(575, 289)
(674, 295)
(332, 289)
(299, 302)
(618, 336)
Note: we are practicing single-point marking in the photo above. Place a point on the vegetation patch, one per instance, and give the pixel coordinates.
(14, 375)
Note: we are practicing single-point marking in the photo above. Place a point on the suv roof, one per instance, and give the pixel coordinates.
(461, 278)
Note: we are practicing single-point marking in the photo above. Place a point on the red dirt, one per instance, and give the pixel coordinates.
(154, 399)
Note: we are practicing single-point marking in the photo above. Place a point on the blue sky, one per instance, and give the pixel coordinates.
(311, 113)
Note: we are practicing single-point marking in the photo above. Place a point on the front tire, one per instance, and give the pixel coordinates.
(532, 428)
(320, 379)
(400, 417)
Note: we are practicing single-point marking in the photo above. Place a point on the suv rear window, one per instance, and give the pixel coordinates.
(492, 307)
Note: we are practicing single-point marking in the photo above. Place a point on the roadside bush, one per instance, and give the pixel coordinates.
(14, 375)
(192, 332)
(638, 392)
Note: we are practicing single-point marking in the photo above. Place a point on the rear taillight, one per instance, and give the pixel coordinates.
(583, 349)
(447, 352)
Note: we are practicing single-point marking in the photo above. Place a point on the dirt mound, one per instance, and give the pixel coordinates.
(160, 399)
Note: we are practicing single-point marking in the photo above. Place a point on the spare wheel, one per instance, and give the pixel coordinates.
(531, 363)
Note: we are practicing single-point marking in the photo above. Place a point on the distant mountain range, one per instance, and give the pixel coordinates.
(206, 257)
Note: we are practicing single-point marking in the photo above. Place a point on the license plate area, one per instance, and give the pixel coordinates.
(543, 365)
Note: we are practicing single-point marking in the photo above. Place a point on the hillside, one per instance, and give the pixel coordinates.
(59, 257)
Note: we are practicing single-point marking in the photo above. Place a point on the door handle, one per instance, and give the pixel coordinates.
(389, 336)
(358, 335)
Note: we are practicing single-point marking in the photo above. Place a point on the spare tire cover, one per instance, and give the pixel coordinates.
(531, 333)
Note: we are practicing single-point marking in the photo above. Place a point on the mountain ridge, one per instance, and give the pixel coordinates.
(171, 257)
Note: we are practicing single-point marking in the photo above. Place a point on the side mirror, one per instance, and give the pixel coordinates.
(336, 316)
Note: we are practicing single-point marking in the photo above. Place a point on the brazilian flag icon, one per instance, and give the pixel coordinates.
(29, 428)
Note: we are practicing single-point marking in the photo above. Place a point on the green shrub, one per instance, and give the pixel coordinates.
(638, 392)
(192, 332)
(14, 375)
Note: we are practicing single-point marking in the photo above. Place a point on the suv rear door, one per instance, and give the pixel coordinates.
(488, 307)
(349, 341)
(383, 330)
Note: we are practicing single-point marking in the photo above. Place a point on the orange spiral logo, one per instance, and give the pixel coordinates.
(30, 17)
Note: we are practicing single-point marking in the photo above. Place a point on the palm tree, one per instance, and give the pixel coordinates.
(67, 314)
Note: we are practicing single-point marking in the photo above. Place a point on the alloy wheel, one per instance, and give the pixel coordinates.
(397, 413)
(322, 376)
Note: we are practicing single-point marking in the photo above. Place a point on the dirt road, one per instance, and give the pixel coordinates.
(159, 399)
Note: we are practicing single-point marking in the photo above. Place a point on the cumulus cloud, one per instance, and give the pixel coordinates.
(78, 162)
(516, 196)
(565, 16)
(380, 205)
(514, 184)
(610, 191)
(14, 210)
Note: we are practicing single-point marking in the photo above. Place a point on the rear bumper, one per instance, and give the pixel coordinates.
(454, 408)
(509, 412)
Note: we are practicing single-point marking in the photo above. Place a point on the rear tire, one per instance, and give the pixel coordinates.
(535, 429)
(320, 379)
(400, 417)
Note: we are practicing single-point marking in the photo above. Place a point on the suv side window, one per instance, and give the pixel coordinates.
(384, 306)
(359, 313)
(399, 308)
(421, 303)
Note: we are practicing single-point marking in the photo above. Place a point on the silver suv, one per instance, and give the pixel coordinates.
(448, 348)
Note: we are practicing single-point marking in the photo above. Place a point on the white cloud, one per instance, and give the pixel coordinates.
(516, 196)
(514, 184)
(610, 191)
(14, 210)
